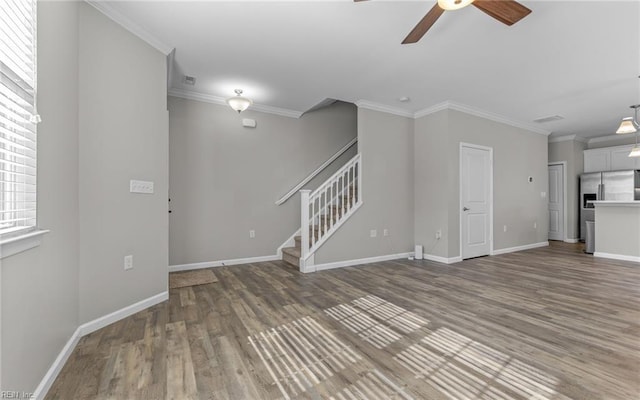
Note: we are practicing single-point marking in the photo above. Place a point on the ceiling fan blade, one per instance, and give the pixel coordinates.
(423, 26)
(506, 11)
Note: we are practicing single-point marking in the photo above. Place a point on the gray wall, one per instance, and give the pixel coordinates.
(386, 144)
(225, 179)
(40, 286)
(572, 152)
(123, 135)
(517, 154)
(432, 183)
(618, 230)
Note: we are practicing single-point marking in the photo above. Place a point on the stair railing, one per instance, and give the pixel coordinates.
(317, 171)
(325, 209)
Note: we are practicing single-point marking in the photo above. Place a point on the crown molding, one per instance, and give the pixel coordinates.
(451, 105)
(564, 138)
(432, 110)
(369, 105)
(131, 26)
(208, 98)
(608, 138)
(567, 138)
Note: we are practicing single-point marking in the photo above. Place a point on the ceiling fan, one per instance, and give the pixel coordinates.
(506, 11)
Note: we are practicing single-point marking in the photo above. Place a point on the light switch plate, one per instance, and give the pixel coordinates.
(128, 262)
(136, 186)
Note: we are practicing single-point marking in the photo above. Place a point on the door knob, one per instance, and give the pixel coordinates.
(465, 209)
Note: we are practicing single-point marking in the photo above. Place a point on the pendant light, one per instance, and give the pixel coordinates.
(238, 102)
(630, 125)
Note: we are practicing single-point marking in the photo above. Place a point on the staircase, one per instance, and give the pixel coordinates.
(323, 211)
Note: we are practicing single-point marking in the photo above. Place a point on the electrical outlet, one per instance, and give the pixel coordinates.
(543, 194)
(535, 225)
(252, 234)
(373, 233)
(128, 262)
(385, 232)
(438, 234)
(505, 228)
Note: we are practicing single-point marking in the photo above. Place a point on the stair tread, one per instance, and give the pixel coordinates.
(292, 251)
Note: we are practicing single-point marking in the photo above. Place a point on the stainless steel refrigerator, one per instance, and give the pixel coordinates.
(612, 186)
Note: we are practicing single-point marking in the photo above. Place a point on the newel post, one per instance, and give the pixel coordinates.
(304, 225)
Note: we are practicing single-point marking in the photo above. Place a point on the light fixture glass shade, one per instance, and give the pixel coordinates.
(453, 4)
(627, 126)
(238, 102)
(635, 152)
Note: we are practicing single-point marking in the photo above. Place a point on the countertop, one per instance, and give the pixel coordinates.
(615, 203)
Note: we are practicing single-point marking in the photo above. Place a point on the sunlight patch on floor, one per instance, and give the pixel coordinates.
(372, 319)
(302, 357)
(301, 354)
(462, 368)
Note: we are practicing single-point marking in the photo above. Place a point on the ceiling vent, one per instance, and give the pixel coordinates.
(189, 80)
(550, 118)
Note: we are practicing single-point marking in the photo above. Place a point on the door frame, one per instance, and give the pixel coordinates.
(564, 197)
(490, 150)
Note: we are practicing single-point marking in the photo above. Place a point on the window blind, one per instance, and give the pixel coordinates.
(17, 116)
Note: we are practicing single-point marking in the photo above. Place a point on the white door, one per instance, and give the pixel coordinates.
(475, 192)
(556, 202)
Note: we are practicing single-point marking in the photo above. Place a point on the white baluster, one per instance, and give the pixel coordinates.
(330, 211)
(313, 221)
(324, 225)
(350, 173)
(359, 164)
(304, 219)
(345, 183)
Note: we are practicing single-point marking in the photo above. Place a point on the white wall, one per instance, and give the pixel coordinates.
(123, 135)
(386, 145)
(40, 286)
(225, 179)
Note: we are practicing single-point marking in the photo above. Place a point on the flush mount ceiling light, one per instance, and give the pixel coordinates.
(449, 5)
(238, 102)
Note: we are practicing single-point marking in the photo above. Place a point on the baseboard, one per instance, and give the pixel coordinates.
(349, 263)
(115, 316)
(85, 329)
(519, 248)
(443, 260)
(571, 240)
(222, 263)
(56, 367)
(616, 256)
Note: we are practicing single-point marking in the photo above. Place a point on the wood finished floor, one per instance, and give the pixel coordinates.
(549, 323)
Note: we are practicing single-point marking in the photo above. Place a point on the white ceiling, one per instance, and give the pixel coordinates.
(578, 59)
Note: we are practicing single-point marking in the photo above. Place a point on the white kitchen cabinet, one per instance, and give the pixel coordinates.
(620, 159)
(596, 160)
(610, 159)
